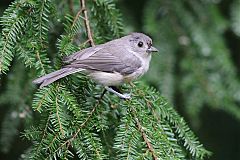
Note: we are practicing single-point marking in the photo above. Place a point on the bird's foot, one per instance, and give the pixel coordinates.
(121, 95)
(126, 96)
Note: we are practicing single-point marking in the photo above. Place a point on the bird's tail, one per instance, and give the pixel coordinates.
(52, 77)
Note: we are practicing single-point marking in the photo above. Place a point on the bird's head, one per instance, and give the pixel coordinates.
(141, 43)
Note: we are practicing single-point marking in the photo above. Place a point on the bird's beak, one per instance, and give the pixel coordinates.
(152, 49)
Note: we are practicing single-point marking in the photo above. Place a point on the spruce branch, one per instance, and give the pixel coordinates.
(160, 109)
(41, 98)
(25, 55)
(74, 136)
(41, 28)
(140, 128)
(58, 117)
(43, 17)
(13, 23)
(44, 133)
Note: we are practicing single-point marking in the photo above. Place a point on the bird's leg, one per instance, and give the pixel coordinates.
(116, 91)
(102, 94)
(127, 95)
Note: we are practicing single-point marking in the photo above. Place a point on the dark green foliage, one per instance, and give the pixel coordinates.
(15, 100)
(162, 118)
(235, 17)
(13, 23)
(70, 121)
(196, 62)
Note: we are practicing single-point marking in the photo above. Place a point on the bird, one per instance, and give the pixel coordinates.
(110, 64)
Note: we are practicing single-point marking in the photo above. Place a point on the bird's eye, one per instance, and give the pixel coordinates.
(140, 44)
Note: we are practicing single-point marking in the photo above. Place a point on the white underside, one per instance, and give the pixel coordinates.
(107, 79)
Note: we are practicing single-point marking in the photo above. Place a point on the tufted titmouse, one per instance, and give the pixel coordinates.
(111, 64)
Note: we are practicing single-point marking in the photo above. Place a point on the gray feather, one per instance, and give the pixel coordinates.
(52, 77)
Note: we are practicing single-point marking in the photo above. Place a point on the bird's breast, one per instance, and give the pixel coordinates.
(140, 71)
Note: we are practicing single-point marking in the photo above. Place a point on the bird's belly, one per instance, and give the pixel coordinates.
(116, 79)
(107, 79)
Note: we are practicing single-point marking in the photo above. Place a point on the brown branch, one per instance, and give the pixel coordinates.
(43, 136)
(148, 143)
(76, 17)
(86, 22)
(39, 104)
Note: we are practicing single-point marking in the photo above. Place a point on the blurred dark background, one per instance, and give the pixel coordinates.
(197, 69)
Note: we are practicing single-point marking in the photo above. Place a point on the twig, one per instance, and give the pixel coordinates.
(86, 22)
(148, 143)
(43, 136)
(76, 17)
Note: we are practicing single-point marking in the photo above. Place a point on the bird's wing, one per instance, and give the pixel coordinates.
(83, 54)
(107, 58)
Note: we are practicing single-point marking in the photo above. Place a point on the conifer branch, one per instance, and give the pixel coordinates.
(40, 20)
(165, 111)
(44, 133)
(144, 136)
(40, 97)
(107, 20)
(68, 142)
(13, 22)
